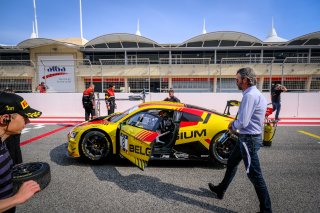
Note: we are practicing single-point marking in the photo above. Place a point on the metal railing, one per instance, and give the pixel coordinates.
(184, 60)
(302, 60)
(248, 60)
(17, 63)
(296, 73)
(136, 61)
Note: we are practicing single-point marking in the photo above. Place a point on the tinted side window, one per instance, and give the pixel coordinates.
(144, 120)
(134, 119)
(190, 117)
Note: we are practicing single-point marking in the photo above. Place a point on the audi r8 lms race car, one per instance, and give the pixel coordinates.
(153, 130)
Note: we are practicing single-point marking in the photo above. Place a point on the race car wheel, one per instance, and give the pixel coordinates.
(95, 146)
(37, 171)
(221, 152)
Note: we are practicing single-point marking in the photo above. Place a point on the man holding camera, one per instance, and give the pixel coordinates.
(276, 91)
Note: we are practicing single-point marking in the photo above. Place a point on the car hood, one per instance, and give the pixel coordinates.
(99, 120)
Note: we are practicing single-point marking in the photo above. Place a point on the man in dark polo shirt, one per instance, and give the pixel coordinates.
(171, 97)
(14, 115)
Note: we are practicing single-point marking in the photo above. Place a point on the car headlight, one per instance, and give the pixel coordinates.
(73, 134)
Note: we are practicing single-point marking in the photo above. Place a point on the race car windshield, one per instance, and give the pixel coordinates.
(119, 116)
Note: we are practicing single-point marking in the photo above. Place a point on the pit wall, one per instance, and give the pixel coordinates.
(294, 105)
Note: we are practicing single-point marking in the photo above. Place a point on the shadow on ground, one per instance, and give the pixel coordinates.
(133, 183)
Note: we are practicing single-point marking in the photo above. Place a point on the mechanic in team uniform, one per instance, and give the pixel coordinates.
(110, 99)
(14, 115)
(88, 102)
(171, 97)
(42, 88)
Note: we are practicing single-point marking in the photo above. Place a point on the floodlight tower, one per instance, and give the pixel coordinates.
(35, 18)
(204, 31)
(33, 34)
(138, 29)
(81, 20)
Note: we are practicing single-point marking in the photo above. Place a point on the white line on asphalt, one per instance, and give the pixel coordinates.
(38, 126)
(25, 130)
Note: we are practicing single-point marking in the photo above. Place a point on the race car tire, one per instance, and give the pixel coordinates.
(221, 152)
(95, 146)
(37, 171)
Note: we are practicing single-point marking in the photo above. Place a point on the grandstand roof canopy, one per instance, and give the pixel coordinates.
(275, 39)
(4, 46)
(273, 36)
(125, 40)
(121, 40)
(222, 38)
(308, 39)
(37, 42)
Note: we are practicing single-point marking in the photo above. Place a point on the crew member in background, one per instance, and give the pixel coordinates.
(276, 91)
(42, 88)
(110, 99)
(171, 97)
(88, 102)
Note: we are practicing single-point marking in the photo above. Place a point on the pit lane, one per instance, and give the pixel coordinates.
(291, 168)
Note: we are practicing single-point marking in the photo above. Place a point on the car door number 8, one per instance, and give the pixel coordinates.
(124, 141)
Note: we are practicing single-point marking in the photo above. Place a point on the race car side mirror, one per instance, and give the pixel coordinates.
(123, 123)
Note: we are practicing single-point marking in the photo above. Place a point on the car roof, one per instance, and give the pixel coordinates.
(167, 104)
(162, 103)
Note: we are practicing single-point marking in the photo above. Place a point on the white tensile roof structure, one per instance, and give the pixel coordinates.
(273, 36)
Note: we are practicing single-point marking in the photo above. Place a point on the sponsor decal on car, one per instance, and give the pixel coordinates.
(139, 150)
(192, 134)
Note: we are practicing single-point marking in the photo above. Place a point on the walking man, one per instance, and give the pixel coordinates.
(249, 124)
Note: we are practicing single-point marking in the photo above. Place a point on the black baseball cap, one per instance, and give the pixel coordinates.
(12, 103)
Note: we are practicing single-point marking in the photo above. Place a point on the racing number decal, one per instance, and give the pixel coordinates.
(136, 151)
(124, 142)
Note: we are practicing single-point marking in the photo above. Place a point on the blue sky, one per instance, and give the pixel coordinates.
(164, 21)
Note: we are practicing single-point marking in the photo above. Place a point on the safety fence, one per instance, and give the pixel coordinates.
(184, 75)
(184, 60)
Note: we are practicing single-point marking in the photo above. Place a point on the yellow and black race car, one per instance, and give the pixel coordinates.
(153, 130)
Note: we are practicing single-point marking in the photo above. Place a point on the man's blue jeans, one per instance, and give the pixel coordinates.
(276, 107)
(246, 149)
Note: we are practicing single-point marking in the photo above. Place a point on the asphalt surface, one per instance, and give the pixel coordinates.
(291, 168)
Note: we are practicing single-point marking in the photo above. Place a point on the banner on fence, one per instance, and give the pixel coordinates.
(57, 72)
